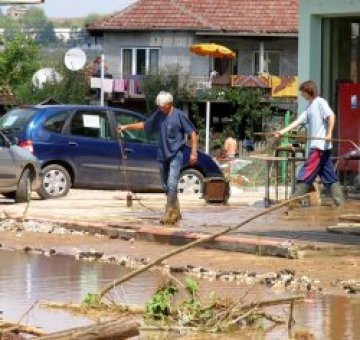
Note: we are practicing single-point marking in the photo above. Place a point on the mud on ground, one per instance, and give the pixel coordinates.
(326, 271)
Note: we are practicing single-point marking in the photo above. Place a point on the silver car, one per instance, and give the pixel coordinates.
(19, 171)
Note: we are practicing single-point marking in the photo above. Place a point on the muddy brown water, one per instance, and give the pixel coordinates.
(26, 278)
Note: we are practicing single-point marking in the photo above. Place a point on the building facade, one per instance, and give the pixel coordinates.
(151, 36)
(329, 54)
(329, 43)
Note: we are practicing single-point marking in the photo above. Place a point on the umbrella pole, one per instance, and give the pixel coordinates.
(102, 80)
(207, 138)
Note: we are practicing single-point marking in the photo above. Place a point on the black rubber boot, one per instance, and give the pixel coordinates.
(337, 194)
(301, 189)
(174, 210)
(178, 208)
(165, 217)
(172, 213)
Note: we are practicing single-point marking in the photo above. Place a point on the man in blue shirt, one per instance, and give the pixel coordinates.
(173, 125)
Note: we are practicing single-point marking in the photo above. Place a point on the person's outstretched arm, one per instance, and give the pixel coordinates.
(134, 126)
(289, 128)
(299, 121)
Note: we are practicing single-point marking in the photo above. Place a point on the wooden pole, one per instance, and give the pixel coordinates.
(336, 140)
(276, 302)
(9, 327)
(119, 329)
(205, 239)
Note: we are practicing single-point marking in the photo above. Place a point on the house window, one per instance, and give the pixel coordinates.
(154, 61)
(225, 66)
(272, 62)
(140, 61)
(127, 62)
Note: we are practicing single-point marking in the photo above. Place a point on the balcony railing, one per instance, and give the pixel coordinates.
(132, 86)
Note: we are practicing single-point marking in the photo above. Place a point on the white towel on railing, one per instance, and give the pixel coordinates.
(108, 84)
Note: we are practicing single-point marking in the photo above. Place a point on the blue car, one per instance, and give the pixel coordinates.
(79, 146)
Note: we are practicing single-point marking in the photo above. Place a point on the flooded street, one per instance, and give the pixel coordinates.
(25, 278)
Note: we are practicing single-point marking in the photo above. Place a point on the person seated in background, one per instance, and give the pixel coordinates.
(230, 145)
(96, 68)
(248, 144)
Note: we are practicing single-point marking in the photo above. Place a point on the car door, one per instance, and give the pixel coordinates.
(8, 170)
(140, 148)
(93, 149)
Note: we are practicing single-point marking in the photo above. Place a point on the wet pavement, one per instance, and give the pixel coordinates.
(26, 278)
(304, 225)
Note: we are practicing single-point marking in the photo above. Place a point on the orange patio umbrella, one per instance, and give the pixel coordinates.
(212, 50)
(215, 51)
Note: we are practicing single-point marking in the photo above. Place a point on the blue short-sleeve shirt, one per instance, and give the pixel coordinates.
(172, 129)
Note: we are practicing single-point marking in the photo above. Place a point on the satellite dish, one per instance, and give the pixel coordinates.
(75, 59)
(45, 75)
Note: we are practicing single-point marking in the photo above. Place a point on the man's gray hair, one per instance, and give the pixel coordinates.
(164, 98)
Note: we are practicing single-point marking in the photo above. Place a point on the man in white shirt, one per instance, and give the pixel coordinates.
(320, 121)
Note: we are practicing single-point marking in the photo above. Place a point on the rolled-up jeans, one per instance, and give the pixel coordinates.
(170, 173)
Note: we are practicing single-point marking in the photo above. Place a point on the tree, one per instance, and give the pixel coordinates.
(19, 62)
(71, 89)
(169, 79)
(35, 19)
(92, 18)
(47, 35)
(36, 25)
(11, 27)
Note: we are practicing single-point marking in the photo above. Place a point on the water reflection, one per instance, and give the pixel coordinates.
(24, 279)
(27, 278)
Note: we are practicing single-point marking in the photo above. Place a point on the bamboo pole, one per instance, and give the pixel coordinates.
(205, 239)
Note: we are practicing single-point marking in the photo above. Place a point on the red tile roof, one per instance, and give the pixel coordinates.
(232, 16)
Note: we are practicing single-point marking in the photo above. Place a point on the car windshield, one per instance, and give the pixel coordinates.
(17, 119)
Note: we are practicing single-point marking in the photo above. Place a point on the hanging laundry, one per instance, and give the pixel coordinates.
(95, 83)
(108, 84)
(119, 85)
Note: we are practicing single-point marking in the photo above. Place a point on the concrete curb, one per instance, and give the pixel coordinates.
(246, 244)
(257, 246)
(345, 228)
(173, 236)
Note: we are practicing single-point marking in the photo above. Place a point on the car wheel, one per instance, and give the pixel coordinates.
(55, 182)
(191, 182)
(23, 192)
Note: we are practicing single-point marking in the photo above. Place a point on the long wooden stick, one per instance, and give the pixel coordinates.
(336, 140)
(11, 327)
(120, 329)
(171, 253)
(132, 309)
(276, 302)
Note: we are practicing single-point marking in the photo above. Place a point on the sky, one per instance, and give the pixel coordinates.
(80, 8)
